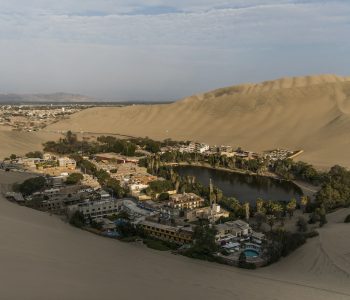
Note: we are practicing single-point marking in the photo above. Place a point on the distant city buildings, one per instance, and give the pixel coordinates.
(35, 117)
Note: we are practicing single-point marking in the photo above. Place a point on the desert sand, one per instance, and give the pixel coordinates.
(310, 113)
(42, 257)
(22, 142)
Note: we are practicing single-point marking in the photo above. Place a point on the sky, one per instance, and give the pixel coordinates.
(162, 50)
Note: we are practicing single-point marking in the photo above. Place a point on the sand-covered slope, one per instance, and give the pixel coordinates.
(42, 257)
(22, 142)
(310, 113)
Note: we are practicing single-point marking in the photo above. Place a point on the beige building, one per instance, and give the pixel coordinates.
(185, 201)
(178, 235)
(67, 163)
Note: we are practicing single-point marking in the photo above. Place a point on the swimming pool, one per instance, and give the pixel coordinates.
(251, 253)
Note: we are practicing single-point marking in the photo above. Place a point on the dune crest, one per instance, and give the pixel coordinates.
(278, 84)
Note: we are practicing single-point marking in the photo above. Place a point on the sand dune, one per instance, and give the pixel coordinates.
(310, 113)
(22, 142)
(42, 257)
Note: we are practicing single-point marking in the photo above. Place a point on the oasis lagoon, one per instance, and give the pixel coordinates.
(244, 187)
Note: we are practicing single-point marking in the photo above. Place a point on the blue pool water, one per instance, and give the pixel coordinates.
(251, 253)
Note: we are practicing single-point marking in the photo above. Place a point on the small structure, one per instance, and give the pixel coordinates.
(211, 213)
(236, 229)
(232, 246)
(18, 197)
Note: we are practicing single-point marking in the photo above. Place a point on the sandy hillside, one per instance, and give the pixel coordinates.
(42, 257)
(22, 142)
(310, 113)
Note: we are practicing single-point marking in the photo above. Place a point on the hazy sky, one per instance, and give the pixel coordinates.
(164, 50)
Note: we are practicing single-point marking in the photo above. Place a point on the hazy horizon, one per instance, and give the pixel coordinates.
(164, 50)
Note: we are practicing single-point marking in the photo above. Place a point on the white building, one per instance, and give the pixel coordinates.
(97, 209)
(234, 229)
(201, 148)
(195, 147)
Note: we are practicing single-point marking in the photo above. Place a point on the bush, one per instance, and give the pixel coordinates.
(156, 245)
(163, 197)
(283, 243)
(311, 234)
(74, 178)
(242, 262)
(161, 186)
(35, 154)
(347, 219)
(302, 224)
(77, 219)
(32, 185)
(249, 266)
(204, 246)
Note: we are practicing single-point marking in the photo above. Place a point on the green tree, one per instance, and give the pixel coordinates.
(77, 219)
(291, 206)
(32, 185)
(74, 178)
(242, 260)
(260, 219)
(304, 201)
(163, 197)
(302, 224)
(34, 154)
(204, 245)
(271, 220)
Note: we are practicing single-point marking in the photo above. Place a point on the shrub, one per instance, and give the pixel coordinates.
(77, 219)
(242, 262)
(311, 234)
(74, 178)
(283, 243)
(156, 245)
(35, 154)
(163, 197)
(302, 224)
(32, 185)
(347, 219)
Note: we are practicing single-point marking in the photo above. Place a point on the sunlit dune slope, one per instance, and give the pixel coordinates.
(310, 113)
(22, 142)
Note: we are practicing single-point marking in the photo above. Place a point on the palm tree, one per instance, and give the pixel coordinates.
(247, 210)
(291, 206)
(260, 206)
(304, 201)
(270, 219)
